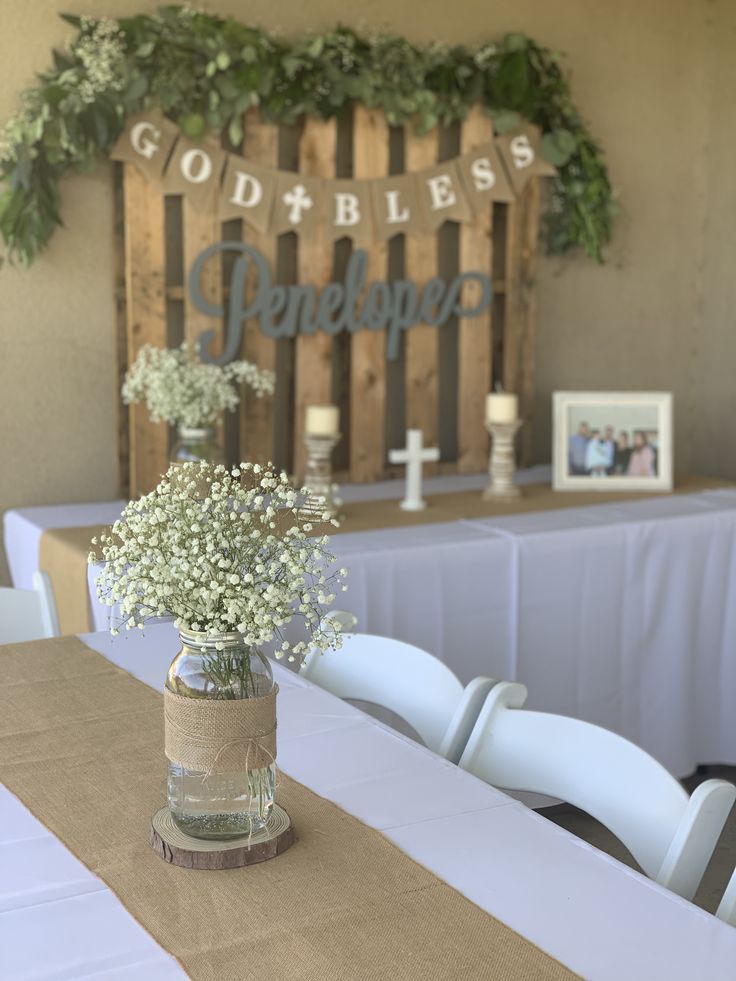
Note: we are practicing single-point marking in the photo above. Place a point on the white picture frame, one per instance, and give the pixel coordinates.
(639, 420)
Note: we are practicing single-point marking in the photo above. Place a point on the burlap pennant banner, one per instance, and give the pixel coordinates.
(484, 176)
(248, 192)
(298, 204)
(195, 170)
(349, 211)
(442, 195)
(397, 206)
(146, 141)
(275, 201)
(520, 152)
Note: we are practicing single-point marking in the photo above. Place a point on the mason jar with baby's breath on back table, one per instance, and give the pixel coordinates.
(191, 395)
(231, 555)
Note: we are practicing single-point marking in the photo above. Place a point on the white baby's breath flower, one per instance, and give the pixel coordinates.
(101, 52)
(185, 392)
(175, 552)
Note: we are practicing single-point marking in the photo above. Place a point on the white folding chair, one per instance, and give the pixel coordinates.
(404, 679)
(671, 835)
(28, 614)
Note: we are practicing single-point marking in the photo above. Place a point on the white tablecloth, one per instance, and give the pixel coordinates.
(23, 526)
(598, 917)
(623, 615)
(620, 614)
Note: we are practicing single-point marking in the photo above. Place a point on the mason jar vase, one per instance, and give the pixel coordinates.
(220, 805)
(194, 445)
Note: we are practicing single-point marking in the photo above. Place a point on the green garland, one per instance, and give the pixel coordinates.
(205, 71)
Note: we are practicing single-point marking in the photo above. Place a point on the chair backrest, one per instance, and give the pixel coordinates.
(400, 677)
(28, 614)
(727, 906)
(670, 835)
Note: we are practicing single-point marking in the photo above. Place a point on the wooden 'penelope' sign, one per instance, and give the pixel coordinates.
(285, 311)
(274, 201)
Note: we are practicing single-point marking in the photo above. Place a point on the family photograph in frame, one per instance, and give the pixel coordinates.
(611, 441)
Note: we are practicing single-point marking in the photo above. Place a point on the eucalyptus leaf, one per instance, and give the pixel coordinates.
(193, 125)
(515, 42)
(558, 147)
(235, 131)
(503, 120)
(137, 88)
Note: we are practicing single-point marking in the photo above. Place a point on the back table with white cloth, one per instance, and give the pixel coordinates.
(601, 919)
(590, 607)
(623, 615)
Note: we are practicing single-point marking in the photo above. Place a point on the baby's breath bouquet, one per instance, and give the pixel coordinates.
(185, 392)
(222, 551)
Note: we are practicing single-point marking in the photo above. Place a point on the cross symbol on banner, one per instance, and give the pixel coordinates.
(297, 200)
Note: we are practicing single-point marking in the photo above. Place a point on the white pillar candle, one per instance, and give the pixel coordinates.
(502, 407)
(322, 420)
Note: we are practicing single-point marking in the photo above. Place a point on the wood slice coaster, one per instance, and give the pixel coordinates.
(174, 846)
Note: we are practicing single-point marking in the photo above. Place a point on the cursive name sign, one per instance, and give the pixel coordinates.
(284, 311)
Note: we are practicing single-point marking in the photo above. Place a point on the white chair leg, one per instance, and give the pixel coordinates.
(42, 585)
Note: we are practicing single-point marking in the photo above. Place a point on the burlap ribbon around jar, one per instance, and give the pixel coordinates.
(220, 735)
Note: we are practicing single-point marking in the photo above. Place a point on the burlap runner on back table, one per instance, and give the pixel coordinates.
(81, 745)
(63, 555)
(64, 551)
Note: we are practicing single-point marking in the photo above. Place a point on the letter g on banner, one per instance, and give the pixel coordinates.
(146, 141)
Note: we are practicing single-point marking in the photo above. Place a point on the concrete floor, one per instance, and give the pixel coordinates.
(721, 865)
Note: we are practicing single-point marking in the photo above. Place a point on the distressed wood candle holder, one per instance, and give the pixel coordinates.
(177, 848)
(502, 464)
(318, 478)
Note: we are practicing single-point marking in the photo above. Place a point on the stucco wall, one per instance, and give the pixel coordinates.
(651, 78)
(712, 344)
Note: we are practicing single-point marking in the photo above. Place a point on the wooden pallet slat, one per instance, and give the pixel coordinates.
(368, 348)
(522, 236)
(313, 380)
(475, 335)
(422, 345)
(260, 145)
(199, 231)
(121, 335)
(143, 208)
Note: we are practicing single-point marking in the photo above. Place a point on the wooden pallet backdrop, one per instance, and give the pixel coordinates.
(442, 375)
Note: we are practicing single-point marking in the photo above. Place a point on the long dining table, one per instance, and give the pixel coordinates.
(620, 613)
(597, 917)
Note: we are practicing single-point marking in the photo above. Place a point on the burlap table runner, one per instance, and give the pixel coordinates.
(64, 551)
(63, 555)
(81, 745)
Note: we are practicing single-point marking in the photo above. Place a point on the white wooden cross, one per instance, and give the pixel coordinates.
(414, 456)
